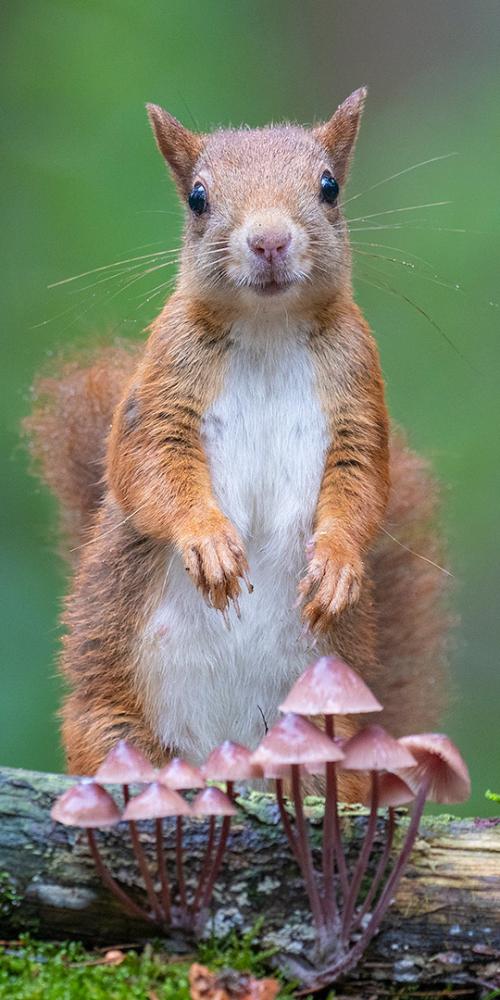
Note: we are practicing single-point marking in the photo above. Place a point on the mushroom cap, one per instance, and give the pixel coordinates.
(230, 762)
(179, 774)
(392, 791)
(437, 759)
(155, 802)
(294, 740)
(86, 804)
(340, 742)
(372, 749)
(330, 687)
(212, 802)
(125, 765)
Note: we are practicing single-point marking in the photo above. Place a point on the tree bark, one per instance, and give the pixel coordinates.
(443, 928)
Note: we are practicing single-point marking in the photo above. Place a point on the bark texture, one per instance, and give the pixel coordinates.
(443, 929)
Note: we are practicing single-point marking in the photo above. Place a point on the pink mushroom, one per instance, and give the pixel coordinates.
(439, 767)
(88, 805)
(211, 802)
(180, 775)
(126, 765)
(330, 687)
(292, 742)
(393, 792)
(156, 802)
(440, 771)
(231, 762)
(374, 750)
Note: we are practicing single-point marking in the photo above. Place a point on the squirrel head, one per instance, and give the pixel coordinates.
(264, 216)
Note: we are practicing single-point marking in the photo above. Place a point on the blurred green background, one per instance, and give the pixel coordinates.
(82, 186)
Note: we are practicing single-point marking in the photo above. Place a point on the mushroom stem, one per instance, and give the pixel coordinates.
(143, 865)
(350, 960)
(393, 880)
(216, 863)
(205, 865)
(213, 871)
(381, 867)
(287, 825)
(305, 852)
(332, 817)
(128, 904)
(162, 871)
(179, 861)
(330, 835)
(362, 861)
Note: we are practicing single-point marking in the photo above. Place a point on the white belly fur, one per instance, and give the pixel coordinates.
(265, 437)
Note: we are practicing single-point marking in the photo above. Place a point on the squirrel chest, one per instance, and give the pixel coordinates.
(265, 437)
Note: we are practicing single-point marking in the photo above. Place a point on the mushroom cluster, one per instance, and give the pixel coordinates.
(346, 914)
(88, 805)
(413, 769)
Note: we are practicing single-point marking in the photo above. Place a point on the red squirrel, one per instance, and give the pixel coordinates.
(237, 501)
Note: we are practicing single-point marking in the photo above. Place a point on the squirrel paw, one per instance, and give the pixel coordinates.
(332, 583)
(216, 561)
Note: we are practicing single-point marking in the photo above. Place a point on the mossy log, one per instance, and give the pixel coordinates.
(443, 928)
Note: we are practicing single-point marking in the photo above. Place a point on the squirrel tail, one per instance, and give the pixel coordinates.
(412, 597)
(67, 433)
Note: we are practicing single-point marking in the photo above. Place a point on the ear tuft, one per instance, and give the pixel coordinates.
(338, 135)
(180, 147)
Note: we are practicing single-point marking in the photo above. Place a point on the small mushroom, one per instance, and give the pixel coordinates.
(441, 773)
(392, 792)
(156, 802)
(125, 765)
(371, 749)
(180, 775)
(231, 762)
(330, 687)
(88, 805)
(211, 802)
(294, 740)
(439, 766)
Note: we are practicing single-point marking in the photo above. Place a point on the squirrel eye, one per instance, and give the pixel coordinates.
(198, 199)
(329, 187)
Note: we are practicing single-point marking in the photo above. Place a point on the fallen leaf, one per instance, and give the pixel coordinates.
(229, 985)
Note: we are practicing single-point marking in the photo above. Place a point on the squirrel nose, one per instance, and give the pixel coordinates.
(270, 245)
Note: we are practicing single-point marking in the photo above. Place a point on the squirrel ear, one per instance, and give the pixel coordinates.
(180, 147)
(338, 135)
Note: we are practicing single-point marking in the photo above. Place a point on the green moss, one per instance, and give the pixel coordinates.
(9, 896)
(492, 796)
(37, 970)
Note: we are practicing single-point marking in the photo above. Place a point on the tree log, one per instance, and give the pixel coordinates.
(443, 928)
